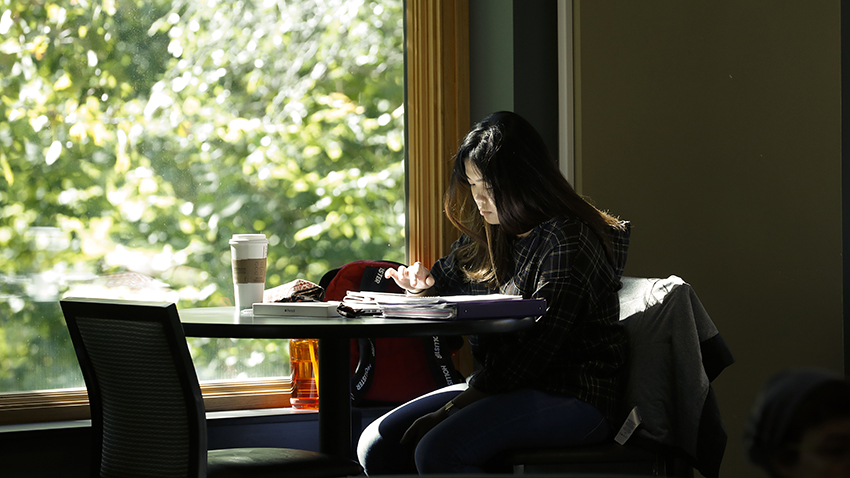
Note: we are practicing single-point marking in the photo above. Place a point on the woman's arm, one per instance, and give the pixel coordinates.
(567, 266)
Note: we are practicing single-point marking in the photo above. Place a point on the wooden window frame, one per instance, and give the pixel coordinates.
(437, 117)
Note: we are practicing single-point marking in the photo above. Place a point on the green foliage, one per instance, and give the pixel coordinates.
(139, 135)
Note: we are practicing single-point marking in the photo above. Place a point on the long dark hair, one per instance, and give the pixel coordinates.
(527, 189)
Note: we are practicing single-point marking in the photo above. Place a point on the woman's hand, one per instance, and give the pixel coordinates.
(415, 278)
(423, 425)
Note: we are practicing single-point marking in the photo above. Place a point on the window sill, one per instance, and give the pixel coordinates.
(265, 415)
(73, 404)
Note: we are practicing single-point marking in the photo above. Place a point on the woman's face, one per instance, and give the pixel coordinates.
(481, 195)
(824, 452)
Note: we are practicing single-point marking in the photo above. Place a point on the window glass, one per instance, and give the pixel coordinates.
(136, 136)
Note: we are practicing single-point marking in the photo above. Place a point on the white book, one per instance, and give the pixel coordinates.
(297, 309)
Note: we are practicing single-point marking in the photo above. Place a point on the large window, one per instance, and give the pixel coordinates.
(136, 136)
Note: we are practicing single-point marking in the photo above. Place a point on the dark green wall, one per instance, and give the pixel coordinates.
(715, 128)
(513, 53)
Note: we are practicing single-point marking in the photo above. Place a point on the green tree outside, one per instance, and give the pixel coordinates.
(138, 135)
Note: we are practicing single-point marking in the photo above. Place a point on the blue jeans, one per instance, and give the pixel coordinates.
(470, 440)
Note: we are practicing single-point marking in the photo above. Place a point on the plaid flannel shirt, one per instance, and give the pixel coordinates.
(578, 348)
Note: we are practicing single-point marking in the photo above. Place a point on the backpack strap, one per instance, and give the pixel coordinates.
(361, 380)
(438, 354)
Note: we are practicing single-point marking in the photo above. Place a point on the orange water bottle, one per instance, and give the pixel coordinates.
(304, 363)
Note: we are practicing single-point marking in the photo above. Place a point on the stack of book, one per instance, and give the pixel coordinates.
(456, 307)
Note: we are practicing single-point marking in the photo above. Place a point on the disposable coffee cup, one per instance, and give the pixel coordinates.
(248, 254)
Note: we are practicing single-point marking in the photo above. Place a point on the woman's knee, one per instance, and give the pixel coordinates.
(434, 454)
(380, 452)
(368, 438)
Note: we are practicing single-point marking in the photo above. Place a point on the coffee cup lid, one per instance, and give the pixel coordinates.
(237, 238)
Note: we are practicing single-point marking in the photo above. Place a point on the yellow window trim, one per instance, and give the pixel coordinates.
(437, 118)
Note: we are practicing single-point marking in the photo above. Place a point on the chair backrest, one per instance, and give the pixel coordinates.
(675, 351)
(148, 415)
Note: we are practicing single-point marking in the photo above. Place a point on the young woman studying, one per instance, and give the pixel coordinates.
(525, 231)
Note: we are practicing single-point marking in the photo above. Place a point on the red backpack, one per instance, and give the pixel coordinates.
(390, 370)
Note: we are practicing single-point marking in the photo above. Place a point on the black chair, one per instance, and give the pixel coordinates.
(675, 352)
(148, 417)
